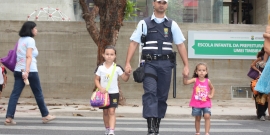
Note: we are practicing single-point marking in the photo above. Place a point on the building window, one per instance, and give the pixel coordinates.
(192, 11)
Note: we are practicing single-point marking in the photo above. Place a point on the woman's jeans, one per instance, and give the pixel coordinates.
(17, 90)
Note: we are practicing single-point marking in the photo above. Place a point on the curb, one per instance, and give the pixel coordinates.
(139, 115)
(88, 113)
(222, 110)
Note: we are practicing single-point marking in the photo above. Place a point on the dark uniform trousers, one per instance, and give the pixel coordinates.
(158, 43)
(156, 92)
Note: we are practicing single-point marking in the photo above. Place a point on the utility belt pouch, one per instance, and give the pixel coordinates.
(173, 59)
(138, 74)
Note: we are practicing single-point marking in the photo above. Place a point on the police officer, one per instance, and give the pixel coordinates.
(160, 32)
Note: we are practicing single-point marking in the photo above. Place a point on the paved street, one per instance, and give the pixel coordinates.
(130, 126)
(76, 117)
(237, 109)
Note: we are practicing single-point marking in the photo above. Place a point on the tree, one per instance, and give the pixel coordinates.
(112, 14)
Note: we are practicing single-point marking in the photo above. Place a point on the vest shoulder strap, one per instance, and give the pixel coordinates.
(151, 23)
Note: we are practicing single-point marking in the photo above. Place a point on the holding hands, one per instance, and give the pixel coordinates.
(185, 72)
(128, 69)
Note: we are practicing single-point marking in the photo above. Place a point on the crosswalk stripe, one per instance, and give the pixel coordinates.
(129, 123)
(117, 118)
(15, 134)
(34, 123)
(126, 129)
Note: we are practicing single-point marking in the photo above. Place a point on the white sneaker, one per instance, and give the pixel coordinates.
(262, 118)
(106, 132)
(111, 133)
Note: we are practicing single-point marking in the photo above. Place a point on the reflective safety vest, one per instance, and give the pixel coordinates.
(159, 37)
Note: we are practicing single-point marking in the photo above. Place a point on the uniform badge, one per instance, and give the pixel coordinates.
(166, 32)
(114, 100)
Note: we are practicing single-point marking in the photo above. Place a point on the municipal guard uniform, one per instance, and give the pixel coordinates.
(158, 55)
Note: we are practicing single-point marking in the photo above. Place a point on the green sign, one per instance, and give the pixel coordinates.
(223, 47)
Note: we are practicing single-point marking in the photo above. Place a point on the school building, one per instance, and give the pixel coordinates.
(67, 54)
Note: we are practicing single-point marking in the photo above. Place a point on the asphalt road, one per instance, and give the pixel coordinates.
(130, 126)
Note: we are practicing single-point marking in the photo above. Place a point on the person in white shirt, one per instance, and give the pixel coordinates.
(103, 75)
(3, 79)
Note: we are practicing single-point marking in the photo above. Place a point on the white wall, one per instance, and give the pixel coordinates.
(20, 9)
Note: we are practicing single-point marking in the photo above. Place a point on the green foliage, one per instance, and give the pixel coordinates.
(130, 10)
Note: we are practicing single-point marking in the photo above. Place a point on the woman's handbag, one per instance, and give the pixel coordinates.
(99, 99)
(253, 73)
(11, 59)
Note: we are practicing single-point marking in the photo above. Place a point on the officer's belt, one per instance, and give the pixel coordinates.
(150, 57)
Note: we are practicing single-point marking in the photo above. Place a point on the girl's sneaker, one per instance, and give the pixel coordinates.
(106, 132)
(111, 133)
(262, 118)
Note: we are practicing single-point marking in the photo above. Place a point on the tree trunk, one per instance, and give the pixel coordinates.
(111, 14)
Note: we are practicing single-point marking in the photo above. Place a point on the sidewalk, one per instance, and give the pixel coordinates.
(241, 109)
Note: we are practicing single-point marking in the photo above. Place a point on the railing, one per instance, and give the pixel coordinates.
(241, 92)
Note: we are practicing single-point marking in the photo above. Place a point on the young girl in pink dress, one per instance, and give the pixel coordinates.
(200, 102)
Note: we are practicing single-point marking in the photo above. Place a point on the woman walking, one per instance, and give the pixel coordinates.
(26, 61)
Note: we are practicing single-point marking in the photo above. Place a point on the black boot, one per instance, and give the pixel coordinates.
(157, 125)
(151, 126)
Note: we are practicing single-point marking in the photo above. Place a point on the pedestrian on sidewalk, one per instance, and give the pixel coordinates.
(157, 34)
(200, 102)
(26, 60)
(3, 78)
(263, 84)
(260, 99)
(102, 77)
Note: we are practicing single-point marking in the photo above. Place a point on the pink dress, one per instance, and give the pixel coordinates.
(200, 94)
